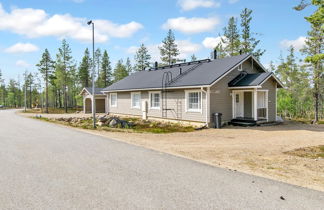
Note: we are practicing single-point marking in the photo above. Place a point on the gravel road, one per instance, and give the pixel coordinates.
(47, 166)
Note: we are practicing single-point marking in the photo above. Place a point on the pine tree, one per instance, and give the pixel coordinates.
(232, 38)
(84, 69)
(120, 71)
(314, 50)
(64, 63)
(105, 73)
(142, 58)
(97, 61)
(128, 65)
(2, 89)
(193, 57)
(45, 67)
(249, 43)
(169, 50)
(220, 50)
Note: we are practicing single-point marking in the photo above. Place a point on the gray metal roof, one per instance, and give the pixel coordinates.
(97, 90)
(249, 79)
(204, 73)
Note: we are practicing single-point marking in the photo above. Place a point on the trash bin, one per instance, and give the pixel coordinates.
(218, 120)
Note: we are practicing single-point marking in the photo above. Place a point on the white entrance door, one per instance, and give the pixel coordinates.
(239, 107)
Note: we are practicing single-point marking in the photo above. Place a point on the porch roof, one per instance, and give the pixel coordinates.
(252, 80)
(89, 91)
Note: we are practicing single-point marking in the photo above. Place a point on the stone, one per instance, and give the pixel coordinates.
(114, 122)
(102, 119)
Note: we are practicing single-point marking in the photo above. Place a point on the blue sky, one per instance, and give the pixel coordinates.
(28, 27)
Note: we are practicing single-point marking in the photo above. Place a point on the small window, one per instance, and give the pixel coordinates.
(113, 99)
(194, 101)
(136, 100)
(237, 98)
(155, 100)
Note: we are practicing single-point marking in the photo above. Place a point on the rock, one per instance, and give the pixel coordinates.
(102, 119)
(114, 122)
(100, 123)
(282, 198)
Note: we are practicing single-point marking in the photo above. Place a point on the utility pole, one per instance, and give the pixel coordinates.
(25, 90)
(93, 78)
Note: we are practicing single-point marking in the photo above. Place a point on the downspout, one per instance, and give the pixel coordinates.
(207, 103)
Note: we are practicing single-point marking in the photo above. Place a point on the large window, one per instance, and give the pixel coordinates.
(113, 99)
(155, 100)
(136, 100)
(193, 99)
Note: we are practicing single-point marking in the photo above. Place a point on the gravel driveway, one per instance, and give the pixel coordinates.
(46, 166)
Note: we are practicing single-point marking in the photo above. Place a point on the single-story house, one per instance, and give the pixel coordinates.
(239, 87)
(101, 100)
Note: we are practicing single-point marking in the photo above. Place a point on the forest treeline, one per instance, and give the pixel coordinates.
(60, 78)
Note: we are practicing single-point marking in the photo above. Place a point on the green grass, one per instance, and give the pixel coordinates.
(307, 121)
(308, 152)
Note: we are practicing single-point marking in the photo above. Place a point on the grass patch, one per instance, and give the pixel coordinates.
(52, 111)
(308, 152)
(307, 121)
(139, 126)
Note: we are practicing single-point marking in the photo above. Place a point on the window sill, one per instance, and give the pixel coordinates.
(194, 110)
(155, 108)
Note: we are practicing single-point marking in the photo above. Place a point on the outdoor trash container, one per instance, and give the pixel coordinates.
(218, 120)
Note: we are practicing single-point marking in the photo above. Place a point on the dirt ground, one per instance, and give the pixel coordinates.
(253, 150)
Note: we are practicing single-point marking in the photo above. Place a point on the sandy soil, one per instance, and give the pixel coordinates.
(256, 150)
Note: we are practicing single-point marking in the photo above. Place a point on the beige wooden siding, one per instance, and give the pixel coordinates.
(271, 85)
(176, 102)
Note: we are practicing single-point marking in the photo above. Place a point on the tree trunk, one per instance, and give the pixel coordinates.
(46, 100)
(65, 99)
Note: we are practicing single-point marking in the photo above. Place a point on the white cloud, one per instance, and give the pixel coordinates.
(187, 5)
(186, 49)
(297, 43)
(191, 25)
(115, 30)
(22, 63)
(232, 1)
(212, 42)
(21, 48)
(35, 23)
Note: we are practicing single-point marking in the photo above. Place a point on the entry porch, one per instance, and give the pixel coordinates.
(250, 106)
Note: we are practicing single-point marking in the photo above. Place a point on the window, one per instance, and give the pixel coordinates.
(136, 100)
(193, 101)
(262, 100)
(155, 100)
(113, 99)
(237, 98)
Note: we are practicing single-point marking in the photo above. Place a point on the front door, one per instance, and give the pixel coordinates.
(239, 107)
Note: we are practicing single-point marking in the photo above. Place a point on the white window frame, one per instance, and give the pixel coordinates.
(266, 101)
(113, 94)
(140, 100)
(150, 102)
(187, 100)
